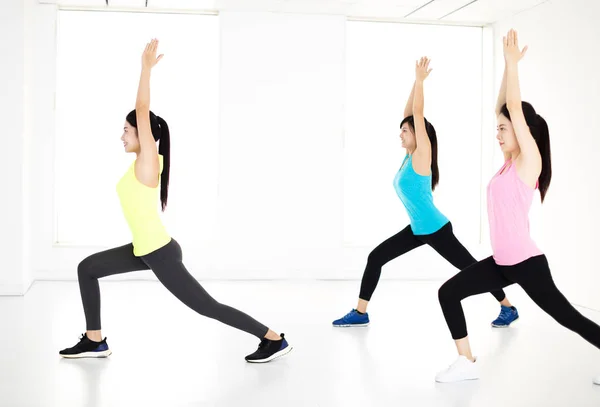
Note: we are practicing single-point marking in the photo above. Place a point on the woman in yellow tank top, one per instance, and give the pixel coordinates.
(152, 247)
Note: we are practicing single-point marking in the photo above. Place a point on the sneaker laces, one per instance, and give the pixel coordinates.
(349, 315)
(505, 313)
(82, 338)
(454, 364)
(263, 343)
(451, 366)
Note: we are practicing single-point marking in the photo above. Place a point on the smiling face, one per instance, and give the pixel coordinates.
(130, 140)
(506, 135)
(407, 135)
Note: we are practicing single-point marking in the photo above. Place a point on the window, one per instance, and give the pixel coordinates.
(99, 61)
(380, 62)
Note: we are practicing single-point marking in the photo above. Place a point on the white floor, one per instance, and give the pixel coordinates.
(165, 355)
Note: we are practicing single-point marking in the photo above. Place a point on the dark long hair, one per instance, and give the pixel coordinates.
(160, 132)
(539, 130)
(435, 171)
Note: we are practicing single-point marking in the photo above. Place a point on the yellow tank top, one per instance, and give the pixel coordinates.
(140, 207)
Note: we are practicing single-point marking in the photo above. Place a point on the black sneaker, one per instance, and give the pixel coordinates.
(269, 350)
(87, 348)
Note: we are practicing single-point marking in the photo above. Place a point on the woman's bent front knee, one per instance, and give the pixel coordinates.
(85, 269)
(447, 293)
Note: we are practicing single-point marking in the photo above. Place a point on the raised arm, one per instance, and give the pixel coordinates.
(423, 150)
(501, 101)
(408, 110)
(502, 94)
(147, 167)
(530, 158)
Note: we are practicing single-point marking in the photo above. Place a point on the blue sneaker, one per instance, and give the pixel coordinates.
(353, 318)
(507, 316)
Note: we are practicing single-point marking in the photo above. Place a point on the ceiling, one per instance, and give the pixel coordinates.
(470, 12)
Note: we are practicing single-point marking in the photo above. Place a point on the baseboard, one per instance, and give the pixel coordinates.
(589, 308)
(417, 274)
(242, 276)
(72, 276)
(15, 289)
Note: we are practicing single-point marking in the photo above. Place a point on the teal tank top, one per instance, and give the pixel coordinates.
(414, 191)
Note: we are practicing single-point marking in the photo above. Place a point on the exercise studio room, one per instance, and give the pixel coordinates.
(303, 203)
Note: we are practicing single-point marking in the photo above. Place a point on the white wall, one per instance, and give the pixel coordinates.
(280, 143)
(28, 140)
(14, 273)
(559, 76)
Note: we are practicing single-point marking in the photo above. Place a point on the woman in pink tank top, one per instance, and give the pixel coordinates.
(524, 139)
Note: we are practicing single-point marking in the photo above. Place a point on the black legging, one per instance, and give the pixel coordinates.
(443, 241)
(166, 263)
(533, 275)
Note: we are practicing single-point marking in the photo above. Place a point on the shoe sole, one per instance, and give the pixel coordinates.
(102, 354)
(276, 355)
(351, 325)
(456, 381)
(504, 326)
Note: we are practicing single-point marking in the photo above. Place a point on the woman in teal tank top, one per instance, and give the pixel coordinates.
(152, 248)
(414, 183)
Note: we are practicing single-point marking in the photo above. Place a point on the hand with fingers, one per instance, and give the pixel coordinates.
(149, 58)
(422, 70)
(512, 53)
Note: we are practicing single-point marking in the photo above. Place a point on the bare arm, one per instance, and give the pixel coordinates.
(501, 101)
(502, 94)
(408, 110)
(147, 167)
(530, 165)
(423, 143)
(423, 150)
(527, 144)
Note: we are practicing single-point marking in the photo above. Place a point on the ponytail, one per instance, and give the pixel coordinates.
(542, 139)
(164, 149)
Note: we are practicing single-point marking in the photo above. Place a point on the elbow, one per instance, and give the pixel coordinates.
(142, 107)
(418, 113)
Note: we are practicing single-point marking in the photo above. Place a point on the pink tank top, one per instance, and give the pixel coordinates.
(509, 200)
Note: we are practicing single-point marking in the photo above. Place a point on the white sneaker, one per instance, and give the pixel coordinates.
(597, 380)
(461, 369)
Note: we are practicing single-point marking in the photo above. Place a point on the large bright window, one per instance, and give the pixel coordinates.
(380, 63)
(99, 61)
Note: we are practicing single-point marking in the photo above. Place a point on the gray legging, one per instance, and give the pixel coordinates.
(166, 263)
